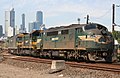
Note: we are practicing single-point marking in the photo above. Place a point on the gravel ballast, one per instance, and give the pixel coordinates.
(21, 69)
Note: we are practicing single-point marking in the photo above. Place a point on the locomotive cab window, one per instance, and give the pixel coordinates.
(89, 27)
(64, 32)
(79, 30)
(36, 34)
(26, 37)
(52, 33)
(19, 39)
(34, 38)
(59, 32)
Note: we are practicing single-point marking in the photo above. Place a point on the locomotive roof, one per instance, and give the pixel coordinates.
(22, 34)
(69, 27)
(65, 27)
(36, 31)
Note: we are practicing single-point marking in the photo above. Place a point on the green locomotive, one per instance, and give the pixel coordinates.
(90, 42)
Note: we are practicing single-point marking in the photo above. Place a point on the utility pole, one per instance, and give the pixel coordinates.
(113, 17)
(87, 19)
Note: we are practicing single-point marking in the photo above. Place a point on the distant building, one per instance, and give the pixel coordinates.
(30, 27)
(22, 27)
(17, 30)
(10, 22)
(1, 31)
(33, 26)
(39, 22)
(39, 17)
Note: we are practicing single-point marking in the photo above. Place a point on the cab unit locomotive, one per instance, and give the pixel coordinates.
(90, 42)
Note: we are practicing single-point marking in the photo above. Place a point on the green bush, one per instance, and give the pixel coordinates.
(116, 35)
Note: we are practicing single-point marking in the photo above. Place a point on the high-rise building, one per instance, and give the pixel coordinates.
(10, 22)
(7, 22)
(30, 27)
(39, 22)
(33, 26)
(22, 27)
(1, 31)
(39, 17)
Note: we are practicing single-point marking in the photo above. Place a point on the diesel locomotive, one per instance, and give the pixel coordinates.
(89, 42)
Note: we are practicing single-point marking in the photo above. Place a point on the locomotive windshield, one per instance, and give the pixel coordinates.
(19, 39)
(95, 29)
(89, 27)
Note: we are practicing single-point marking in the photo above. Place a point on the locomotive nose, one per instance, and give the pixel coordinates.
(105, 39)
(102, 40)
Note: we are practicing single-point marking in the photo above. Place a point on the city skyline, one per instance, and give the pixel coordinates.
(10, 22)
(63, 12)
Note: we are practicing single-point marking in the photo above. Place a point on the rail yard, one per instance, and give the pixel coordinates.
(78, 42)
(42, 66)
(88, 50)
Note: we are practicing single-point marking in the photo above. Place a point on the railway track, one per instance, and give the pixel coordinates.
(95, 66)
(104, 67)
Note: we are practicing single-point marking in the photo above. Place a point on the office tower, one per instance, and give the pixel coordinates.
(39, 22)
(22, 27)
(10, 22)
(33, 26)
(12, 18)
(30, 27)
(39, 17)
(1, 31)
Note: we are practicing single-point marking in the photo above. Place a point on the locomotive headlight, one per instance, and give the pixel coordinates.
(26, 41)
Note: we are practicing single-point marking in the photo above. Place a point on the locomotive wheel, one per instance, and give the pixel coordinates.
(80, 59)
(90, 57)
(108, 58)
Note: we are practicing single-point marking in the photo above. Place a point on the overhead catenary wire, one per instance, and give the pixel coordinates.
(106, 13)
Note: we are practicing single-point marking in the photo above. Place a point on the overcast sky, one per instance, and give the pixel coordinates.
(62, 12)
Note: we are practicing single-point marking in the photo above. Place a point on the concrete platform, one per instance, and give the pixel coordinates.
(57, 66)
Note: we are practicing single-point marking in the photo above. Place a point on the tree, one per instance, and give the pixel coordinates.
(116, 35)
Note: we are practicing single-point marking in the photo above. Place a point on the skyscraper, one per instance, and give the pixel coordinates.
(12, 18)
(39, 22)
(1, 31)
(30, 27)
(33, 26)
(39, 17)
(10, 22)
(22, 27)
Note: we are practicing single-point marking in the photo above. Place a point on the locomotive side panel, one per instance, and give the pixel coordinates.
(66, 39)
(61, 39)
(12, 44)
(26, 43)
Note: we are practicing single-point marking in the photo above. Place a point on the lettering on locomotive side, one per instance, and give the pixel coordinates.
(56, 38)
